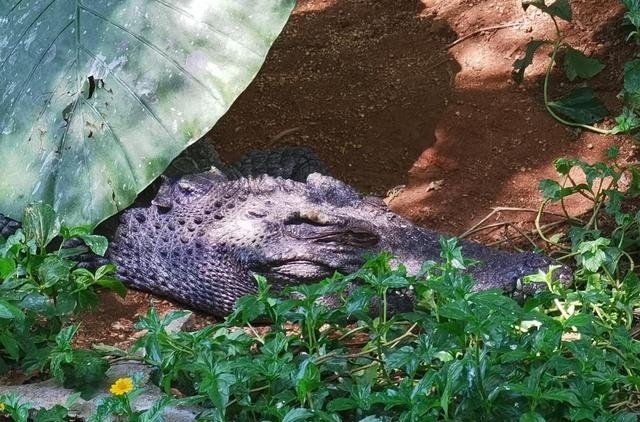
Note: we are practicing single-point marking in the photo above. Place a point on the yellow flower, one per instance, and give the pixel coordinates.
(2, 407)
(121, 386)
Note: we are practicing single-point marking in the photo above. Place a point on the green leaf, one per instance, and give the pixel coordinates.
(577, 65)
(155, 412)
(631, 84)
(37, 302)
(56, 413)
(634, 186)
(96, 98)
(10, 311)
(404, 357)
(217, 386)
(53, 271)
(453, 373)
(298, 414)
(341, 404)
(85, 371)
(105, 271)
(626, 122)
(532, 417)
(66, 303)
(564, 165)
(10, 346)
(592, 253)
(550, 189)
(626, 417)
(456, 311)
(66, 335)
(632, 17)
(85, 299)
(113, 284)
(40, 223)
(7, 267)
(307, 379)
(97, 243)
(561, 396)
(579, 320)
(520, 65)
(566, 191)
(581, 106)
(560, 8)
(613, 152)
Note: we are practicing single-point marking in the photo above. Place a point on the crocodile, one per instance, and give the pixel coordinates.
(205, 235)
(204, 238)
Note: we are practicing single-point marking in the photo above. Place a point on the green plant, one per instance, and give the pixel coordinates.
(632, 17)
(605, 241)
(41, 287)
(460, 355)
(20, 411)
(118, 404)
(79, 369)
(580, 107)
(610, 231)
(94, 108)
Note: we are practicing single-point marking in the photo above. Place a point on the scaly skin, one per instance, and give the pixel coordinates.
(203, 239)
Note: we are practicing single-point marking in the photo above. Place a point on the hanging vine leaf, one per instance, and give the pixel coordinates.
(97, 97)
(520, 65)
(559, 8)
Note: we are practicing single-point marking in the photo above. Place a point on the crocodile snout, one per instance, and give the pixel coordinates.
(532, 264)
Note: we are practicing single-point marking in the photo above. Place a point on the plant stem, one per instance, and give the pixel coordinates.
(556, 47)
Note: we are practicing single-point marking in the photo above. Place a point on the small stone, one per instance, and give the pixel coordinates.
(118, 326)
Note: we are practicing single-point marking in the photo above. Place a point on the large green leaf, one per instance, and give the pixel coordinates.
(577, 65)
(581, 106)
(97, 97)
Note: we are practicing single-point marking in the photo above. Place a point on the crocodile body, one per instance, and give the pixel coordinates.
(204, 237)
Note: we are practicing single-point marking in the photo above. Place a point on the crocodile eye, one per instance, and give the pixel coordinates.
(256, 213)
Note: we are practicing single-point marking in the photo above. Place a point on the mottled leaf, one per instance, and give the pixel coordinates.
(40, 223)
(96, 98)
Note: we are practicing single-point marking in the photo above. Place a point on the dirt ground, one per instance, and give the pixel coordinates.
(414, 100)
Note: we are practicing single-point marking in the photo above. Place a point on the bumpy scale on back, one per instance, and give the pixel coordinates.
(203, 239)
